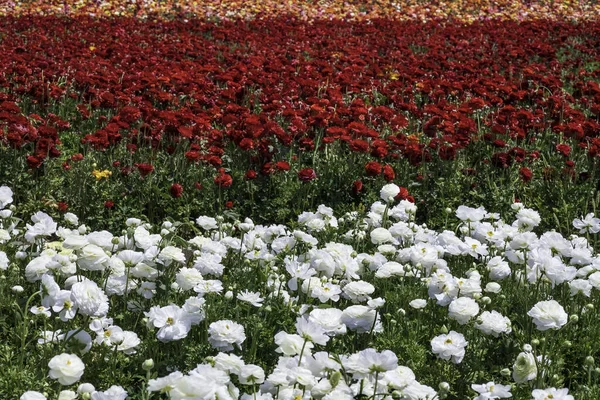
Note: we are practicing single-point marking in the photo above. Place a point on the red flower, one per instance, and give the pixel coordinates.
(198, 185)
(34, 161)
(223, 180)
(62, 206)
(176, 190)
(109, 204)
(229, 204)
(403, 194)
(144, 168)
(357, 187)
(526, 174)
(373, 168)
(77, 157)
(307, 174)
(564, 149)
(388, 173)
(282, 165)
(251, 175)
(192, 155)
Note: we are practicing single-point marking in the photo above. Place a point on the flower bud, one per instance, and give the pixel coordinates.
(444, 329)
(17, 289)
(574, 318)
(535, 342)
(148, 364)
(486, 300)
(115, 240)
(505, 372)
(444, 387)
(567, 343)
(527, 348)
(229, 295)
(589, 361)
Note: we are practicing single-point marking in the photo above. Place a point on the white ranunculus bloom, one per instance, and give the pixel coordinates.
(67, 395)
(463, 309)
(6, 195)
(225, 333)
(66, 368)
(32, 395)
(493, 323)
(450, 347)
(89, 298)
(418, 304)
(548, 315)
(381, 236)
(491, 390)
(389, 192)
(524, 368)
(251, 374)
(361, 319)
(552, 393)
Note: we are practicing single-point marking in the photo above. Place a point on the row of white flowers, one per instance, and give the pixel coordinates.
(78, 271)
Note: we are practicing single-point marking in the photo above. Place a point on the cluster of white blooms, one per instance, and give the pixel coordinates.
(327, 284)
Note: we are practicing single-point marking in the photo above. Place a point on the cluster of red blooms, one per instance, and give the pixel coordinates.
(391, 90)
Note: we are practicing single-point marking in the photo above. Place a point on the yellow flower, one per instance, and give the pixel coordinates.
(99, 175)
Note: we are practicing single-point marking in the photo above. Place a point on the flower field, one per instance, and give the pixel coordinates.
(298, 200)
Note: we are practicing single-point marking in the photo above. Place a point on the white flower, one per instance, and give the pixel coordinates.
(30, 394)
(418, 304)
(589, 224)
(493, 287)
(67, 395)
(358, 291)
(5, 196)
(389, 192)
(580, 286)
(207, 223)
(113, 393)
(381, 236)
(174, 322)
(311, 331)
(292, 344)
(71, 218)
(224, 334)
(524, 368)
(188, 278)
(66, 368)
(450, 346)
(3, 261)
(468, 214)
(229, 363)
(251, 297)
(552, 393)
(170, 254)
(491, 390)
(463, 309)
(92, 258)
(89, 298)
(548, 315)
(361, 319)
(330, 319)
(251, 374)
(493, 323)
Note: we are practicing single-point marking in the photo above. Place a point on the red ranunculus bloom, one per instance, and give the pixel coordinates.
(223, 180)
(62, 206)
(282, 165)
(526, 174)
(373, 168)
(251, 175)
(144, 168)
(198, 185)
(229, 204)
(176, 190)
(357, 187)
(307, 174)
(34, 161)
(77, 157)
(109, 204)
(564, 149)
(388, 173)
